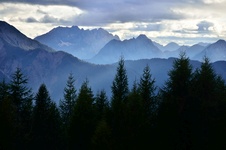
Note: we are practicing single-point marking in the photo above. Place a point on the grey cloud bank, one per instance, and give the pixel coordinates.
(194, 19)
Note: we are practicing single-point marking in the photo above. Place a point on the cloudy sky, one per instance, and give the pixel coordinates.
(182, 21)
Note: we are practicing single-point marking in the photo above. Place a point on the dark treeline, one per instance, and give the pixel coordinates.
(188, 112)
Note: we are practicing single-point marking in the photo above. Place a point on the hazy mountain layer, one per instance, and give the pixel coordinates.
(41, 65)
(81, 43)
(133, 49)
(215, 51)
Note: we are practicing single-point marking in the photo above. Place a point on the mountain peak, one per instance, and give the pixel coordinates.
(172, 44)
(7, 28)
(75, 27)
(82, 43)
(221, 41)
(142, 37)
(15, 38)
(3, 23)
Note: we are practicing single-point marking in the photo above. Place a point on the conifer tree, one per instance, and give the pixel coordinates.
(208, 106)
(134, 119)
(22, 99)
(173, 114)
(22, 96)
(147, 92)
(83, 120)
(120, 93)
(46, 122)
(66, 107)
(149, 105)
(102, 105)
(102, 136)
(119, 87)
(67, 104)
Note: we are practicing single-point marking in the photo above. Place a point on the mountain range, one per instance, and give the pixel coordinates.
(42, 64)
(83, 44)
(101, 47)
(133, 49)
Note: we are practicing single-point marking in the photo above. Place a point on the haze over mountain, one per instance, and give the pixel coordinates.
(81, 43)
(43, 65)
(215, 51)
(132, 49)
(101, 47)
(172, 46)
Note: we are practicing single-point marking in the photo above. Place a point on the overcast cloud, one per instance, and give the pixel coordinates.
(162, 21)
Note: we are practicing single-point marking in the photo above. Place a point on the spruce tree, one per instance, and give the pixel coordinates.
(46, 129)
(22, 99)
(174, 123)
(147, 92)
(22, 95)
(119, 87)
(134, 120)
(67, 104)
(120, 93)
(83, 120)
(209, 107)
(101, 105)
(66, 107)
(102, 137)
(149, 105)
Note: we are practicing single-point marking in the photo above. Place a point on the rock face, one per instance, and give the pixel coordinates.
(133, 49)
(81, 43)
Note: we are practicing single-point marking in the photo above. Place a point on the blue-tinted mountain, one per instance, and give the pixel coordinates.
(43, 65)
(159, 46)
(192, 51)
(10, 35)
(215, 52)
(81, 43)
(132, 49)
(52, 68)
(204, 44)
(175, 53)
(172, 46)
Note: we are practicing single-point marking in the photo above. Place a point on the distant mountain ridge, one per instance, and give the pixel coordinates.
(215, 51)
(172, 46)
(83, 44)
(43, 65)
(101, 47)
(132, 49)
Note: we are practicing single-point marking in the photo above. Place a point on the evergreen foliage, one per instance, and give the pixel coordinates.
(173, 118)
(66, 107)
(67, 104)
(46, 122)
(188, 112)
(209, 95)
(22, 98)
(120, 93)
(83, 120)
(101, 105)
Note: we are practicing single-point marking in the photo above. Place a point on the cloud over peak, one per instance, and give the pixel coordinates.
(127, 18)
